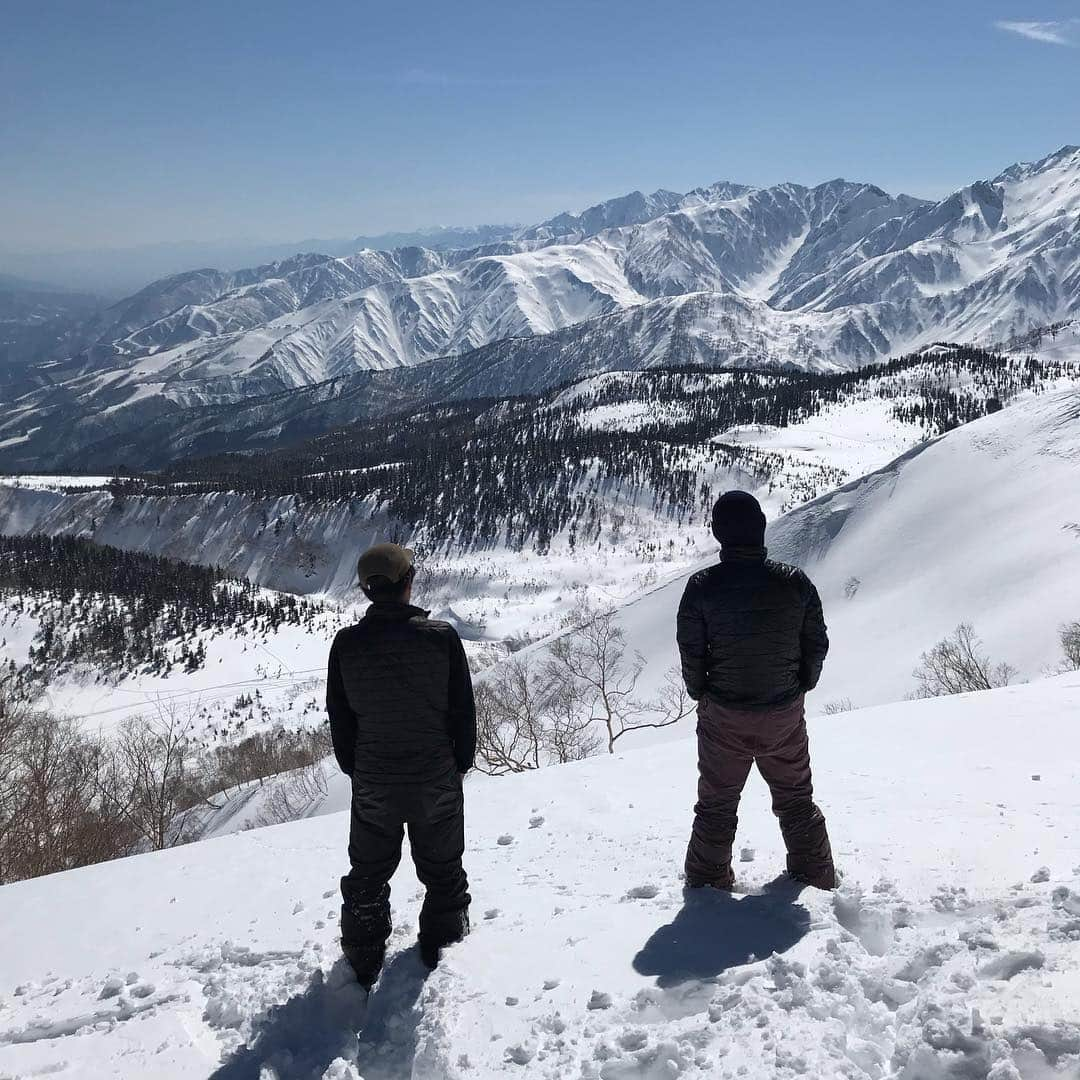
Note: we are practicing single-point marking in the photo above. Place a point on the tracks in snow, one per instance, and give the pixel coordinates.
(864, 985)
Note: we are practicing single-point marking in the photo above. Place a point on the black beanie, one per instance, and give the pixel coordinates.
(738, 520)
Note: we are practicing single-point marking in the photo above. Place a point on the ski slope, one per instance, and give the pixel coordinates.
(951, 950)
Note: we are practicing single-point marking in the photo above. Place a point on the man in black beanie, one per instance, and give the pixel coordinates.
(752, 639)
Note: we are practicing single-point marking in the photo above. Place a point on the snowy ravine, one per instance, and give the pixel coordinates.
(952, 948)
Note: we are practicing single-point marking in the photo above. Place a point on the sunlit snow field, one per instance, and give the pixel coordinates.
(951, 949)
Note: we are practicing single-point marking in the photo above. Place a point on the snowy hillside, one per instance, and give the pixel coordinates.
(980, 525)
(952, 948)
(247, 682)
(620, 472)
(104, 635)
(822, 278)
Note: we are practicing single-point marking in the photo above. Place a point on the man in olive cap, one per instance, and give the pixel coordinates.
(403, 723)
(752, 639)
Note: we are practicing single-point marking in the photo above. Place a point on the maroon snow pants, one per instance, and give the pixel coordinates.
(729, 742)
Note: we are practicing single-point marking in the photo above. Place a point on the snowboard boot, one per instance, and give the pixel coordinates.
(364, 933)
(366, 961)
(431, 949)
(724, 882)
(816, 877)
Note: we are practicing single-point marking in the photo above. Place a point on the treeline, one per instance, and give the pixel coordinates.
(124, 610)
(71, 797)
(523, 470)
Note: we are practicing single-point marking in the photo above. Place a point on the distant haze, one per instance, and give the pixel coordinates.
(116, 272)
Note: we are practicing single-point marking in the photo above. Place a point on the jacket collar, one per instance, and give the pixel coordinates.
(393, 609)
(739, 553)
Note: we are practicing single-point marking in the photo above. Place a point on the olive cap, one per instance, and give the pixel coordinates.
(391, 561)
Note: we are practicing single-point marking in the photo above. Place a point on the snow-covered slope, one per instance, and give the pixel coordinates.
(249, 681)
(624, 528)
(981, 525)
(951, 949)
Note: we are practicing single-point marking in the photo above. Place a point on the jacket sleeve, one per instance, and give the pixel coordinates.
(342, 719)
(814, 641)
(462, 714)
(693, 638)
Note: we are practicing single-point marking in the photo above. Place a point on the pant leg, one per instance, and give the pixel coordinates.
(437, 841)
(376, 831)
(783, 759)
(724, 760)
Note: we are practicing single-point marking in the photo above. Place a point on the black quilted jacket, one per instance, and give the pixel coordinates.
(400, 697)
(751, 632)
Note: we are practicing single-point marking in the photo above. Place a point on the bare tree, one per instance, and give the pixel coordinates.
(509, 720)
(70, 798)
(12, 720)
(593, 658)
(837, 706)
(575, 702)
(528, 716)
(265, 754)
(674, 703)
(570, 734)
(292, 793)
(151, 780)
(1069, 636)
(958, 665)
(51, 817)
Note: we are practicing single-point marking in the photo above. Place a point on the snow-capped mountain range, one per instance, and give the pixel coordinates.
(823, 278)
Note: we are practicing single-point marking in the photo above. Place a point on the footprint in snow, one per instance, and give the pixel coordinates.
(747, 854)
(505, 840)
(642, 892)
(492, 913)
(1062, 899)
(536, 821)
(1040, 875)
(599, 1000)
(1011, 964)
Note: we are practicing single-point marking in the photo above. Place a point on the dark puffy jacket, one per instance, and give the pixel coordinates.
(400, 697)
(751, 632)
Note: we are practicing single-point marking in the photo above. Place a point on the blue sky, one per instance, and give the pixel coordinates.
(133, 123)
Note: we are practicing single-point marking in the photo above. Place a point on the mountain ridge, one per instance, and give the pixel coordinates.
(823, 278)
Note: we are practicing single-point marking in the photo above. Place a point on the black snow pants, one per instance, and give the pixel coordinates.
(730, 741)
(434, 814)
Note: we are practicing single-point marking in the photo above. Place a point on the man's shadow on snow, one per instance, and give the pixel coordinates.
(304, 1036)
(715, 931)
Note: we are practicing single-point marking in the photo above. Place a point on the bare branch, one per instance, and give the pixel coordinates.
(958, 665)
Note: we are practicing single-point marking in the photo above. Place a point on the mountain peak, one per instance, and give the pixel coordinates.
(1067, 157)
